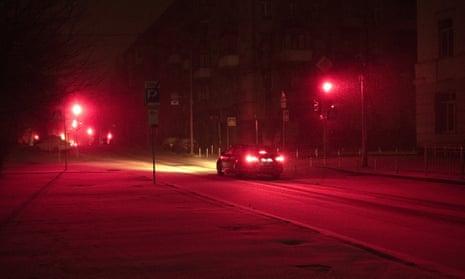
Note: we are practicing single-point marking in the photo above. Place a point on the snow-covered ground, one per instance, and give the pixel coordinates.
(106, 218)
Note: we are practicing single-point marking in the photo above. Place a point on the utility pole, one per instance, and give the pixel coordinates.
(364, 153)
(191, 105)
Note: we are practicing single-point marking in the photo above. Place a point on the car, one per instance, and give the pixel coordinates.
(52, 144)
(242, 159)
(179, 145)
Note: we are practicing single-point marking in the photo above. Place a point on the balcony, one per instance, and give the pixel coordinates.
(295, 55)
(230, 60)
(202, 73)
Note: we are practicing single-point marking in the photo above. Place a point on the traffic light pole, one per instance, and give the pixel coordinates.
(364, 153)
(325, 139)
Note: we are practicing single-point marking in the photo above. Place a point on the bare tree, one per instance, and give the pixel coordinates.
(42, 58)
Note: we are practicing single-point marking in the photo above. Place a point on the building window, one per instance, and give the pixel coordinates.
(204, 60)
(446, 37)
(203, 93)
(296, 41)
(291, 8)
(265, 8)
(445, 113)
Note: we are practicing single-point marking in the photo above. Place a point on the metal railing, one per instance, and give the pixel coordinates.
(433, 160)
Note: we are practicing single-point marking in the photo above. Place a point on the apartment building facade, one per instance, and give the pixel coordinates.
(440, 73)
(224, 67)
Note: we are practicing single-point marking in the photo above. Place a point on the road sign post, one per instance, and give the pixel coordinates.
(152, 93)
(152, 100)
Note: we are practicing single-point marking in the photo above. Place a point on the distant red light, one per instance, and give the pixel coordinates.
(90, 132)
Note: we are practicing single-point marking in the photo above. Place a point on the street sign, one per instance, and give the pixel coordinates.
(231, 121)
(57, 116)
(153, 117)
(174, 99)
(152, 93)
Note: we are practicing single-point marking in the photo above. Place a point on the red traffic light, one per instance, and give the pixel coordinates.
(327, 86)
(77, 109)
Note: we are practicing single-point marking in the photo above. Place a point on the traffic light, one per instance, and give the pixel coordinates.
(327, 86)
(332, 113)
(316, 106)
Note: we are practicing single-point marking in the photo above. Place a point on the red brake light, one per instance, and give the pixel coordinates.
(251, 159)
(279, 158)
(261, 152)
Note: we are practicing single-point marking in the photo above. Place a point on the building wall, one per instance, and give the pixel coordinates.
(243, 54)
(438, 74)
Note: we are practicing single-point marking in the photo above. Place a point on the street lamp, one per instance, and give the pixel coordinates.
(77, 110)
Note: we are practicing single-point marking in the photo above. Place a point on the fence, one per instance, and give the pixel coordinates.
(439, 160)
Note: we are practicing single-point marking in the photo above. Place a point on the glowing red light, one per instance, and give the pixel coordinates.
(279, 159)
(262, 152)
(36, 137)
(90, 132)
(327, 86)
(77, 109)
(251, 159)
(109, 136)
(74, 124)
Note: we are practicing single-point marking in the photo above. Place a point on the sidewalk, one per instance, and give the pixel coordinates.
(109, 222)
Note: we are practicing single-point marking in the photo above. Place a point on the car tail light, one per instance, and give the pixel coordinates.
(279, 158)
(251, 159)
(262, 152)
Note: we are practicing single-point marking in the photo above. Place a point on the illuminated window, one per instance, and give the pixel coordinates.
(445, 113)
(446, 37)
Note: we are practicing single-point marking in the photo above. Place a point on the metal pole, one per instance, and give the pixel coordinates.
(256, 129)
(153, 153)
(284, 132)
(227, 137)
(191, 114)
(324, 139)
(66, 142)
(364, 153)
